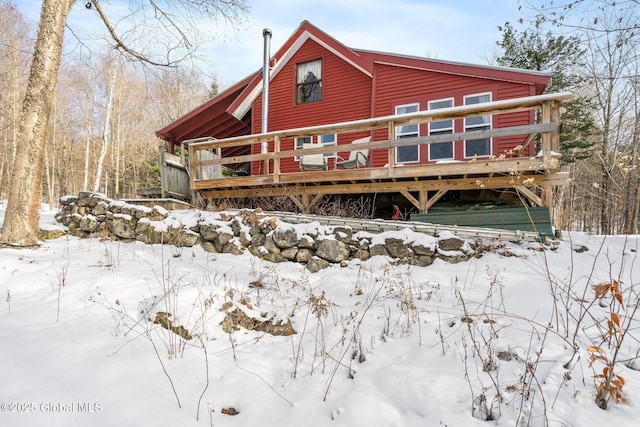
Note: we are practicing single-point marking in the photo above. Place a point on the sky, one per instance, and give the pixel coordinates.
(456, 30)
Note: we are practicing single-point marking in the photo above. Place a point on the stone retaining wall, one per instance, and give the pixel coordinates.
(317, 246)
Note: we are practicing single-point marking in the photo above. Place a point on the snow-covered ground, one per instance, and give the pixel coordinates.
(375, 344)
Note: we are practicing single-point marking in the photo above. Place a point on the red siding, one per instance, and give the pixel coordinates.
(399, 85)
(349, 94)
(346, 95)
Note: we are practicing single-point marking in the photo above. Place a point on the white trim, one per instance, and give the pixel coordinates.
(244, 107)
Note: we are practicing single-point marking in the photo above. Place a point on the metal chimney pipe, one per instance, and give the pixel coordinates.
(266, 33)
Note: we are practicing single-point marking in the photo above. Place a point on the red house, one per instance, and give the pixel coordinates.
(316, 80)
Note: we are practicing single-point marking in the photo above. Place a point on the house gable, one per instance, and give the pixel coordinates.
(287, 53)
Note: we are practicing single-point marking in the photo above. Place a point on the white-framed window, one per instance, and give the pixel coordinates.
(411, 153)
(299, 144)
(477, 147)
(441, 150)
(327, 140)
(309, 81)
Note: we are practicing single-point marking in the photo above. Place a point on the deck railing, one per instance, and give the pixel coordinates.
(548, 126)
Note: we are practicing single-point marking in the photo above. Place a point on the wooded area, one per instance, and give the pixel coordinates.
(101, 132)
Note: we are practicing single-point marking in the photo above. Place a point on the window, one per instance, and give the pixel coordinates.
(299, 144)
(309, 81)
(409, 153)
(477, 147)
(441, 150)
(326, 140)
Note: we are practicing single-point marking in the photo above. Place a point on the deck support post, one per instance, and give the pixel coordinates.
(430, 202)
(305, 202)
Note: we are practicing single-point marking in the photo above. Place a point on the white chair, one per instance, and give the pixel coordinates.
(312, 161)
(357, 158)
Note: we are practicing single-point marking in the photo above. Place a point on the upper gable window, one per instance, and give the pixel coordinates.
(309, 81)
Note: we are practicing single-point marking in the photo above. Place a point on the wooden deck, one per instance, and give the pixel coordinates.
(422, 185)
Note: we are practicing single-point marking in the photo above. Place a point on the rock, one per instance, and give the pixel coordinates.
(258, 239)
(423, 260)
(209, 232)
(451, 244)
(89, 199)
(233, 247)
(397, 248)
(419, 250)
(333, 250)
(51, 234)
(343, 234)
(378, 250)
(362, 254)
(289, 253)
(285, 238)
(303, 255)
(142, 227)
(454, 259)
(88, 223)
(239, 319)
(184, 237)
(208, 246)
(236, 226)
(316, 264)
(101, 208)
(271, 246)
(306, 242)
(123, 226)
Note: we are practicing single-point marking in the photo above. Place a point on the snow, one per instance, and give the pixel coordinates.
(377, 344)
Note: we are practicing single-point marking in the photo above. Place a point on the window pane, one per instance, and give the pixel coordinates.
(408, 129)
(477, 147)
(445, 103)
(445, 124)
(478, 121)
(406, 109)
(441, 150)
(328, 139)
(309, 81)
(309, 71)
(407, 154)
(477, 99)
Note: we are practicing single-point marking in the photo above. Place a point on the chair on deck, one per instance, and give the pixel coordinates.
(312, 161)
(357, 158)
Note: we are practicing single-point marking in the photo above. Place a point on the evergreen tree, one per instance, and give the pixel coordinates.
(559, 55)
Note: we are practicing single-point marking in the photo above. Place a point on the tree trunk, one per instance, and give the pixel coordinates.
(21, 222)
(106, 134)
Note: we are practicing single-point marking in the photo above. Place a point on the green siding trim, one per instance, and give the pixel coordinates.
(535, 219)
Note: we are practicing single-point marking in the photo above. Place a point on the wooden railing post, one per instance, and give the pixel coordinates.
(391, 150)
(546, 117)
(193, 163)
(555, 118)
(276, 161)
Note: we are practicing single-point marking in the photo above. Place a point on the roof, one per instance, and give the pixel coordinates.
(227, 114)
(210, 119)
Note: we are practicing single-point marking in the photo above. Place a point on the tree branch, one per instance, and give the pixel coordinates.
(120, 44)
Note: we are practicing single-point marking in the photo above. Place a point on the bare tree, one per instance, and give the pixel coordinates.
(15, 53)
(610, 32)
(21, 224)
